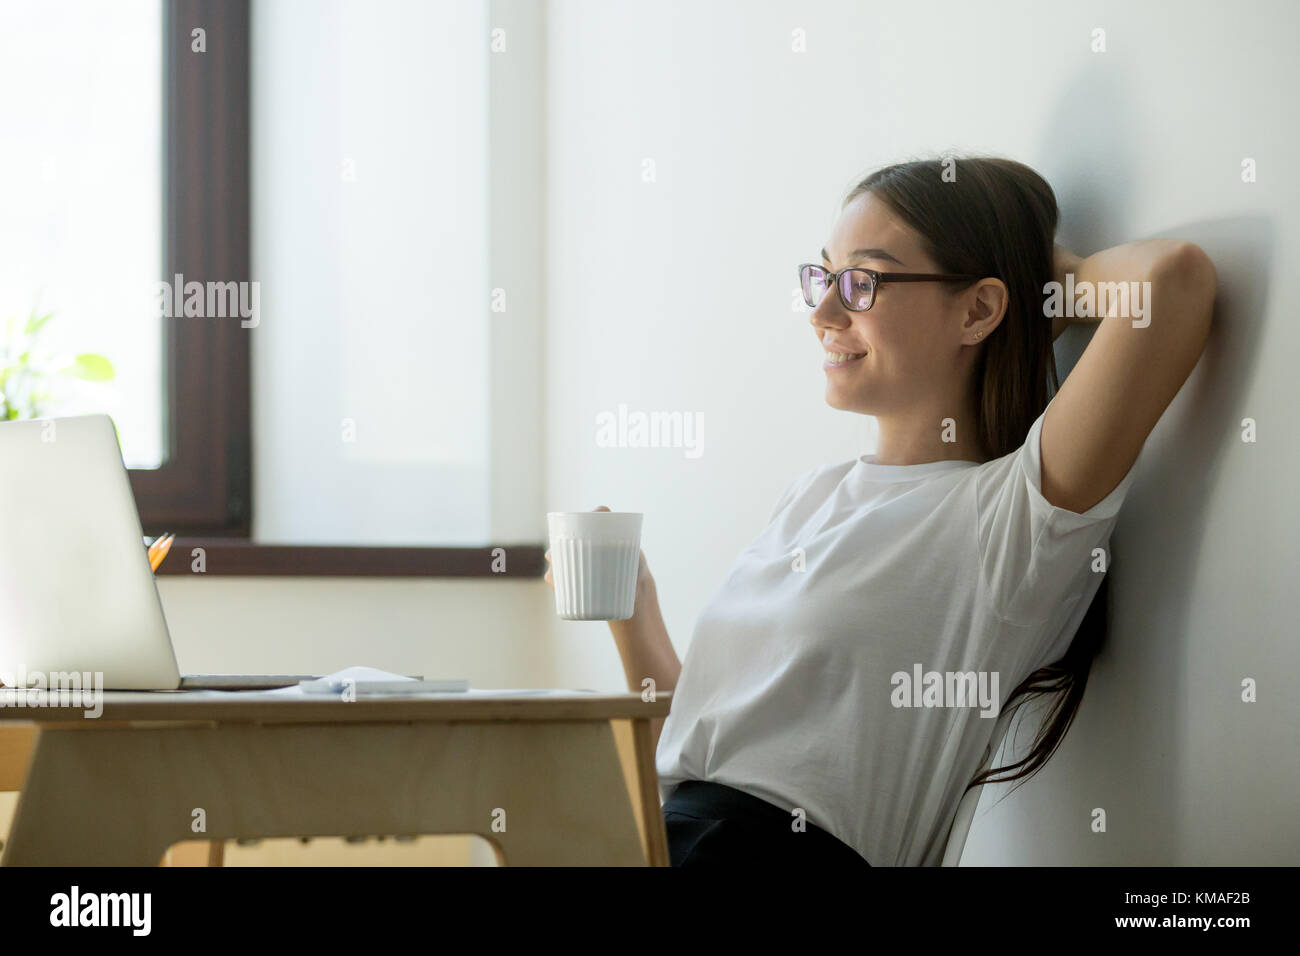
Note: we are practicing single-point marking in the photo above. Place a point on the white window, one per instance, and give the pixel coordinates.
(370, 171)
(81, 234)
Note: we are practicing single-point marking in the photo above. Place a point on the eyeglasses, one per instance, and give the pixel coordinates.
(857, 287)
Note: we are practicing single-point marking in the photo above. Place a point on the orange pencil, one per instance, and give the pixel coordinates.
(158, 550)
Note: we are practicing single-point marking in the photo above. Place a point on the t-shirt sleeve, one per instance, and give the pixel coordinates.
(1034, 556)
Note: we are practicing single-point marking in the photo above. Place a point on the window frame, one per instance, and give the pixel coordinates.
(204, 484)
(203, 490)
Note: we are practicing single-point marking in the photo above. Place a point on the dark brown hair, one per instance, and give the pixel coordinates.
(988, 216)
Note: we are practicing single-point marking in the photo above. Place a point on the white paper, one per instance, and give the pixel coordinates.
(362, 674)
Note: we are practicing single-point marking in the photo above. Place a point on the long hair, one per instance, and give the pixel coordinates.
(997, 218)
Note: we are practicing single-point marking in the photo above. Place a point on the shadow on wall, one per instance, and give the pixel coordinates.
(1087, 155)
(1162, 535)
(1156, 546)
(1166, 522)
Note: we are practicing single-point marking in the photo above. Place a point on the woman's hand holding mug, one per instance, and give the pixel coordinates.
(599, 585)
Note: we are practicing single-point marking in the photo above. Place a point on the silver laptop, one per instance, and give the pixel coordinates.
(76, 590)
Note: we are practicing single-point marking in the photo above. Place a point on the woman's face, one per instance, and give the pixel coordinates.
(910, 339)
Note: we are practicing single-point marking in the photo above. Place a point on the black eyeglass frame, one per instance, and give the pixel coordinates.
(876, 279)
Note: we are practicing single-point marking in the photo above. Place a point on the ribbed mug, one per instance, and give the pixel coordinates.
(595, 556)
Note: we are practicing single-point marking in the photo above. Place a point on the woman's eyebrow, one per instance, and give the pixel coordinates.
(872, 253)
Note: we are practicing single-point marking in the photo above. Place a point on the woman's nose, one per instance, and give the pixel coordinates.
(827, 314)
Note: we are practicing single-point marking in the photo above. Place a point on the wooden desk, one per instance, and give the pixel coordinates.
(539, 777)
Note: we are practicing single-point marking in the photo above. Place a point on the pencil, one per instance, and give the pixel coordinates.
(158, 550)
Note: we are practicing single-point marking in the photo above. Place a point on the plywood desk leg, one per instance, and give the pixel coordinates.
(16, 744)
(648, 783)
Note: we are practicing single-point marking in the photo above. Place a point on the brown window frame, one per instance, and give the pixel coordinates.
(204, 485)
(203, 491)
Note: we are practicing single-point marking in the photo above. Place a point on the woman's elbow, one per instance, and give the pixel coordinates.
(1192, 267)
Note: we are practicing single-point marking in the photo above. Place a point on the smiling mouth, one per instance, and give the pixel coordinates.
(842, 359)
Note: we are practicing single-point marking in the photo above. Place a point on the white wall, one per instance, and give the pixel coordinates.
(753, 147)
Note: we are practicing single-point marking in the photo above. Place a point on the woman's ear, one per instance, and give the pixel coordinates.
(988, 304)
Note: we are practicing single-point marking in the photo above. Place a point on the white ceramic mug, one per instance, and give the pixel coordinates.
(595, 556)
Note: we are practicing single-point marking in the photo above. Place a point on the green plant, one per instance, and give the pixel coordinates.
(30, 374)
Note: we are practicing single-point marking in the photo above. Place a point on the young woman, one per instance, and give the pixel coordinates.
(973, 542)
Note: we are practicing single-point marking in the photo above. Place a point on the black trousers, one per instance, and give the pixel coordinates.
(710, 824)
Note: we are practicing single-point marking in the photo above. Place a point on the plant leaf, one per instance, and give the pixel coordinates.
(91, 367)
(34, 322)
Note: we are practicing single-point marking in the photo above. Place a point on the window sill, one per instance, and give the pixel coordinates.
(244, 558)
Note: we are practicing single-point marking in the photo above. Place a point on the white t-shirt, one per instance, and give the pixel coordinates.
(867, 571)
